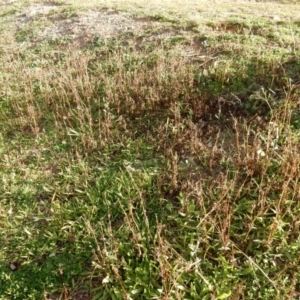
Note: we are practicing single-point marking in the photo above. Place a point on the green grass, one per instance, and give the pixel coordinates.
(161, 165)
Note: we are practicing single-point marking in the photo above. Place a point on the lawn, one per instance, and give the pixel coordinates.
(149, 149)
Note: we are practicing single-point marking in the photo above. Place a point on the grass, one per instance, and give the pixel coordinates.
(155, 166)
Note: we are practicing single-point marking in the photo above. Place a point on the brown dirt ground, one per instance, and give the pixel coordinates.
(80, 27)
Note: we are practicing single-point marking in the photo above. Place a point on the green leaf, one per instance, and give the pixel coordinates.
(224, 295)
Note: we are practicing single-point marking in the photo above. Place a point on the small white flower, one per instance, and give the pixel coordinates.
(261, 153)
(106, 279)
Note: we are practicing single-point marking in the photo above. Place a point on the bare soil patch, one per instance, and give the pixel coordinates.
(7, 2)
(34, 10)
(53, 21)
(81, 27)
